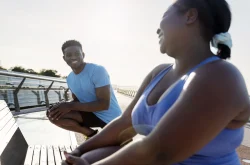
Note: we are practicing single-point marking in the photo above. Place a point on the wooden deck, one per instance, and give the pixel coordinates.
(46, 155)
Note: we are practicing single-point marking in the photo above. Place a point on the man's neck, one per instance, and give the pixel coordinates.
(79, 69)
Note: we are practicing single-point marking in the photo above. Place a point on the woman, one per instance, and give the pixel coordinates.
(192, 112)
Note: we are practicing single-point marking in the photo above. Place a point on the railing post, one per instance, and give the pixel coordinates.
(37, 96)
(59, 95)
(66, 94)
(16, 102)
(4, 94)
(46, 94)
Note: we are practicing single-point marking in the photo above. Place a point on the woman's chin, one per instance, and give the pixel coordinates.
(162, 50)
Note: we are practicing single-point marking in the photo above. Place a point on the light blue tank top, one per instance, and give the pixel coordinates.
(220, 151)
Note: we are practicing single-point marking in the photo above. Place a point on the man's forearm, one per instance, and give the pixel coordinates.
(89, 107)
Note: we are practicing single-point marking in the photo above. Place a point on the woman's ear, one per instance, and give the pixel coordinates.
(191, 16)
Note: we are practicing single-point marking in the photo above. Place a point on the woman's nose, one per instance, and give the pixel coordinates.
(158, 31)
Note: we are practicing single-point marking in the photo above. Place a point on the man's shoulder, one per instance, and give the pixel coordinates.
(69, 76)
(95, 66)
(69, 79)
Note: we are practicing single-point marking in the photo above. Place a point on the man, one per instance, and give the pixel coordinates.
(94, 103)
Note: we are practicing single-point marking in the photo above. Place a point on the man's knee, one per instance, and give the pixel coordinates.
(64, 122)
(56, 122)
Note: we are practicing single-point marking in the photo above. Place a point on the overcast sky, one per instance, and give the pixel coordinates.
(118, 34)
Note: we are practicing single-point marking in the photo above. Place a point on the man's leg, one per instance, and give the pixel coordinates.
(72, 122)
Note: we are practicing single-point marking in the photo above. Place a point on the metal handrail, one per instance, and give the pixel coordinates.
(25, 75)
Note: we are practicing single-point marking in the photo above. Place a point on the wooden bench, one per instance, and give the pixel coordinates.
(14, 149)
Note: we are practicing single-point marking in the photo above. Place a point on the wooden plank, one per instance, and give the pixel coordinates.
(7, 138)
(73, 147)
(29, 156)
(5, 120)
(58, 158)
(43, 157)
(3, 112)
(6, 128)
(51, 160)
(36, 156)
(72, 138)
(2, 104)
(68, 149)
(62, 149)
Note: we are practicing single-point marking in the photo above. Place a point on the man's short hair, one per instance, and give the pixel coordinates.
(71, 43)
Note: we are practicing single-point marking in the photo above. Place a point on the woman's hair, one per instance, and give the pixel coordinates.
(214, 15)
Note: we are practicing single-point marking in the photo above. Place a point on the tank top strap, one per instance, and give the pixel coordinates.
(157, 78)
(160, 75)
(206, 61)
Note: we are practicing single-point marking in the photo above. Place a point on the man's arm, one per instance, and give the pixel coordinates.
(101, 81)
(102, 102)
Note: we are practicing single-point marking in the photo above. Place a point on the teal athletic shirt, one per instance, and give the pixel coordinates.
(83, 86)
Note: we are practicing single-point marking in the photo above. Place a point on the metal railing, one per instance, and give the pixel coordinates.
(128, 91)
(11, 83)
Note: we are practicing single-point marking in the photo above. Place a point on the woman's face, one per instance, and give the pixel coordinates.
(171, 30)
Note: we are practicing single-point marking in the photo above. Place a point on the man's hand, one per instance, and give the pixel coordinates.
(73, 160)
(55, 105)
(48, 110)
(58, 110)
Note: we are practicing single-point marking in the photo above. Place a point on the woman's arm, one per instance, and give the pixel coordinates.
(212, 97)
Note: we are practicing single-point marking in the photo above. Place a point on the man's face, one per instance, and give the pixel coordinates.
(73, 56)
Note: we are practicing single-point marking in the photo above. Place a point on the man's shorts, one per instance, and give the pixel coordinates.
(91, 120)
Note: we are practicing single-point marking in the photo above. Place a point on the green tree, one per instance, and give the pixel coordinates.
(49, 72)
(18, 69)
(31, 71)
(2, 68)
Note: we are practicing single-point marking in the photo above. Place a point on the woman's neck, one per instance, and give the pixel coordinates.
(190, 58)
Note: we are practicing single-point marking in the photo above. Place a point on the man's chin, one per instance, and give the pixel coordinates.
(74, 66)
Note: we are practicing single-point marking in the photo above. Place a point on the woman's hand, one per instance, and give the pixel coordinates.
(76, 153)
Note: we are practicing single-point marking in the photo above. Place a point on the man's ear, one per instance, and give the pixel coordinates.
(83, 55)
(64, 58)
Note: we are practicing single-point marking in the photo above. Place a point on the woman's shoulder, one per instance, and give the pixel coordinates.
(158, 69)
(226, 80)
(222, 69)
